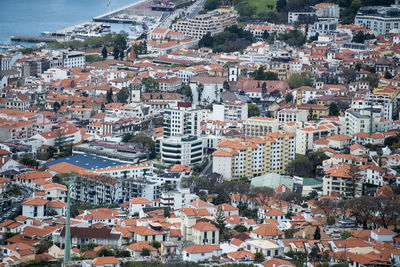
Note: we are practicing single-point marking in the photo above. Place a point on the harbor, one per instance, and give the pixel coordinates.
(138, 14)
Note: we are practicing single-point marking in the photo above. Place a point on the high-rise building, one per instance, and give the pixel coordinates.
(249, 157)
(381, 19)
(259, 126)
(212, 22)
(182, 120)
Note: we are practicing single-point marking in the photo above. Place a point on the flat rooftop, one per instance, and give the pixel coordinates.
(86, 161)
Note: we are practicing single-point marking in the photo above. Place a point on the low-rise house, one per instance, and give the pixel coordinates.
(81, 236)
(204, 233)
(267, 247)
(108, 261)
(137, 204)
(383, 235)
(136, 249)
(226, 209)
(197, 253)
(34, 207)
(266, 212)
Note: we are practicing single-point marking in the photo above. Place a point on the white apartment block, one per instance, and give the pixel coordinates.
(305, 137)
(184, 149)
(214, 22)
(181, 120)
(74, 60)
(230, 111)
(378, 18)
(357, 121)
(260, 126)
(291, 115)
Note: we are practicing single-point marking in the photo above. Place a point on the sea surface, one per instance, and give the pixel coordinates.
(31, 17)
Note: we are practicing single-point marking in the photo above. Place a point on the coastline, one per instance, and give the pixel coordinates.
(140, 2)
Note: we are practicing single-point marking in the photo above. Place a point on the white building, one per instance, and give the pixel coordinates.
(291, 114)
(74, 59)
(34, 207)
(182, 120)
(381, 19)
(230, 111)
(214, 22)
(185, 150)
(197, 253)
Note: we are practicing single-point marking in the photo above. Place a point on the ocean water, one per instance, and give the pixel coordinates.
(31, 17)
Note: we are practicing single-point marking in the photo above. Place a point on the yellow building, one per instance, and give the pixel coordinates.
(316, 111)
(248, 157)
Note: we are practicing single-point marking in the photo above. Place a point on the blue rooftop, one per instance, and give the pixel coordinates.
(86, 161)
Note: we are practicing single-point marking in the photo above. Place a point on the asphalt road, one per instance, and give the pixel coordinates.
(15, 208)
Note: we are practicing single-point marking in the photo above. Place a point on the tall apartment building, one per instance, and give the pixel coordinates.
(230, 111)
(338, 179)
(291, 115)
(260, 126)
(35, 67)
(74, 59)
(249, 157)
(306, 136)
(320, 11)
(214, 22)
(182, 120)
(381, 19)
(358, 121)
(183, 149)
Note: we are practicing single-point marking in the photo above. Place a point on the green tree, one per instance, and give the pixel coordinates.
(116, 52)
(195, 183)
(121, 54)
(206, 41)
(355, 6)
(155, 244)
(289, 97)
(280, 5)
(317, 233)
(109, 96)
(187, 91)
(104, 52)
(330, 220)
(333, 109)
(43, 246)
(56, 106)
(145, 252)
(240, 228)
(52, 213)
(258, 257)
(200, 89)
(355, 179)
(30, 162)
(123, 96)
(226, 86)
(145, 140)
(60, 140)
(345, 235)
(253, 110)
(388, 75)
(297, 80)
(150, 83)
(219, 220)
(300, 166)
(266, 33)
(105, 252)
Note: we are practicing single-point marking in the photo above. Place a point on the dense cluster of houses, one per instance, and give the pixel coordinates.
(130, 133)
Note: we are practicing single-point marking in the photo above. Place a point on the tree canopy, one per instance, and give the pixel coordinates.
(231, 39)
